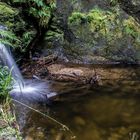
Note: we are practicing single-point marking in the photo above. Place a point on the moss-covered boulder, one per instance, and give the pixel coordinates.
(93, 32)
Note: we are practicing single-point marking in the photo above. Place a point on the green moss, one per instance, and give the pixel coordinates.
(131, 27)
(39, 9)
(58, 34)
(77, 17)
(6, 10)
(20, 31)
(105, 28)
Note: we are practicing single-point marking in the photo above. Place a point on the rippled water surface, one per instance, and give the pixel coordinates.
(110, 111)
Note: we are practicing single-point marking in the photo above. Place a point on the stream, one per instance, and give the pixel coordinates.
(107, 112)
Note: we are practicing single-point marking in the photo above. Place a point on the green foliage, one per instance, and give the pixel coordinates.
(57, 35)
(113, 2)
(7, 10)
(108, 27)
(132, 28)
(26, 38)
(8, 126)
(106, 23)
(19, 32)
(97, 19)
(40, 9)
(7, 17)
(5, 82)
(77, 17)
(8, 38)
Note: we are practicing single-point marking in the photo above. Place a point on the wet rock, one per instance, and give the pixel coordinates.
(87, 74)
(76, 74)
(131, 7)
(79, 45)
(84, 74)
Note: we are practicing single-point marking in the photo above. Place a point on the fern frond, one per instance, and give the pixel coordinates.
(8, 38)
(7, 10)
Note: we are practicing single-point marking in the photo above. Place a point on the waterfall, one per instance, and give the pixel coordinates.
(8, 60)
(25, 90)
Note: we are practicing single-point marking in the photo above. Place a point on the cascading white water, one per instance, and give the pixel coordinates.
(24, 89)
(8, 60)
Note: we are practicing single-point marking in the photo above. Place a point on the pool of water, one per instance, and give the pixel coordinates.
(107, 112)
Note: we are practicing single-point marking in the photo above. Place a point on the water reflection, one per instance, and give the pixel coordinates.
(107, 112)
